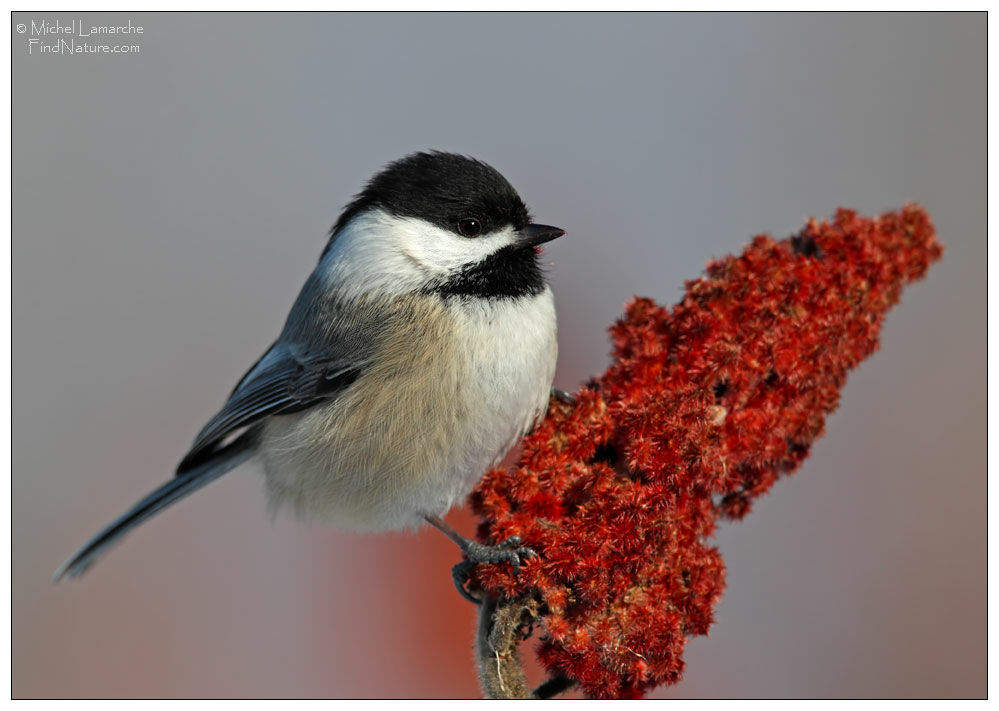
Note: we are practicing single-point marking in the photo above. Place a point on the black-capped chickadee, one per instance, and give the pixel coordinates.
(420, 350)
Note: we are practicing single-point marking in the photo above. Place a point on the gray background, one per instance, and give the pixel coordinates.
(168, 205)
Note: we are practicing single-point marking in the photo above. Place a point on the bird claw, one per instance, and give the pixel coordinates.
(563, 396)
(509, 551)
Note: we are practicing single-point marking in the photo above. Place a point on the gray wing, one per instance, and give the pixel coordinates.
(281, 382)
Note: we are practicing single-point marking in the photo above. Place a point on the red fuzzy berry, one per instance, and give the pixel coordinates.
(703, 407)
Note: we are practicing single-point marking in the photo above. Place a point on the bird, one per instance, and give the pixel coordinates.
(419, 351)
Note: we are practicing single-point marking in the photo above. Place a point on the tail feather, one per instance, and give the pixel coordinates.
(226, 459)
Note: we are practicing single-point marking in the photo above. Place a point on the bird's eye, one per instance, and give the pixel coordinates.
(469, 227)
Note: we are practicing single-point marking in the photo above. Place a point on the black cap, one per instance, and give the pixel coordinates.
(443, 189)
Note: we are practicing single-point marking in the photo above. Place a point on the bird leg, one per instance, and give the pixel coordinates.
(509, 551)
(563, 396)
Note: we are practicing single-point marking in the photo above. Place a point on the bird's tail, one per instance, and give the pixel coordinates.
(226, 459)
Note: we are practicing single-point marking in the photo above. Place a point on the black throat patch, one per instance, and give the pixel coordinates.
(507, 273)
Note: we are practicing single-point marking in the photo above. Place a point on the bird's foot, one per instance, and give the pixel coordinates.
(509, 551)
(563, 396)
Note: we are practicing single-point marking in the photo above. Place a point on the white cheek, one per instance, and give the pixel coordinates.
(379, 252)
(443, 251)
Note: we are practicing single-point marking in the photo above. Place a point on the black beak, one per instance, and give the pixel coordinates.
(534, 235)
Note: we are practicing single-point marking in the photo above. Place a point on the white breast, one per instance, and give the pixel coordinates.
(453, 390)
(510, 351)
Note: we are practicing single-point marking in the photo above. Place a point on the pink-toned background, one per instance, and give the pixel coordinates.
(167, 205)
